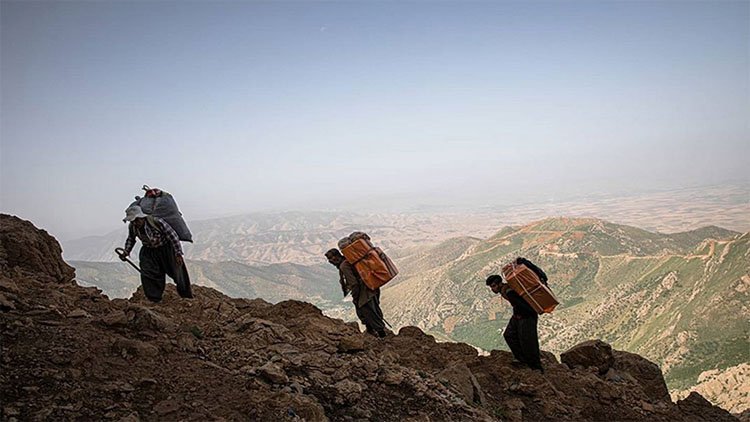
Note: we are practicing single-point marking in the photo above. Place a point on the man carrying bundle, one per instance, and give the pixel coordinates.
(161, 254)
(521, 333)
(366, 301)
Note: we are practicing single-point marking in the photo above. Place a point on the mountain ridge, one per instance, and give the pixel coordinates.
(283, 237)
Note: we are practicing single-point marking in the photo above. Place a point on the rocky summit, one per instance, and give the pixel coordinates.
(71, 353)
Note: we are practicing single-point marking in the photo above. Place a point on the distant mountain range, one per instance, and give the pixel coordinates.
(681, 300)
(302, 237)
(299, 237)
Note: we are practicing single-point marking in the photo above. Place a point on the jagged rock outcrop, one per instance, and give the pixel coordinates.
(618, 366)
(28, 251)
(68, 352)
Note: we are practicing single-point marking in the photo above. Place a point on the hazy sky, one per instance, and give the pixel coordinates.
(244, 106)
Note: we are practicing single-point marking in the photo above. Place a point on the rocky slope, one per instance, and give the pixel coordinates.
(69, 352)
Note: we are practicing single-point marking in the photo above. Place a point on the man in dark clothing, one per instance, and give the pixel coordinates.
(366, 301)
(521, 333)
(161, 254)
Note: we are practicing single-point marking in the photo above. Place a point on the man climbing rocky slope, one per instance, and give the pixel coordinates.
(68, 352)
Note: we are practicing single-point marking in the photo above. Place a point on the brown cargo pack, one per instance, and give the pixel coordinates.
(526, 283)
(372, 264)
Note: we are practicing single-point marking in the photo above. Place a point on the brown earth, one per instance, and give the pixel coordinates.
(70, 353)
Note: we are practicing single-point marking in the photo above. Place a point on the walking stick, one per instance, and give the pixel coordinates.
(387, 323)
(120, 252)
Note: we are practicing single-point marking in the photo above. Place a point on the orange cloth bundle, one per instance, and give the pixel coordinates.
(372, 264)
(526, 283)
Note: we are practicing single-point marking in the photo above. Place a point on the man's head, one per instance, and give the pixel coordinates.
(334, 257)
(134, 214)
(495, 282)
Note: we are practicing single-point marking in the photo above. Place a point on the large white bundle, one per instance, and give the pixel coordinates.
(161, 204)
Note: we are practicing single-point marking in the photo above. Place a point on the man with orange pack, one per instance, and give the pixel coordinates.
(366, 300)
(521, 333)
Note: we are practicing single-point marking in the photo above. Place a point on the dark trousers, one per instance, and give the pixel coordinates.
(523, 340)
(156, 263)
(371, 315)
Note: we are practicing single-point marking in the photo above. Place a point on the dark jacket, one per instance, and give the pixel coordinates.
(521, 308)
(352, 282)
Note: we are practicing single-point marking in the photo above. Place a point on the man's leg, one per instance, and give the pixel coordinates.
(179, 275)
(360, 315)
(378, 310)
(530, 342)
(152, 276)
(512, 338)
(372, 318)
(184, 287)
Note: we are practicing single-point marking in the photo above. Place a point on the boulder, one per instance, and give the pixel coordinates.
(592, 353)
(79, 313)
(144, 319)
(125, 347)
(645, 372)
(273, 373)
(187, 343)
(262, 332)
(114, 319)
(415, 332)
(613, 375)
(351, 344)
(390, 377)
(460, 378)
(349, 390)
(292, 309)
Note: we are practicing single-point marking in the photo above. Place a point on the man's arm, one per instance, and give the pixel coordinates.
(171, 235)
(516, 300)
(505, 290)
(342, 282)
(350, 278)
(130, 242)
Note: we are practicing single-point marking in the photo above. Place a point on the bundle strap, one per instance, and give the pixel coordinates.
(526, 291)
(364, 256)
